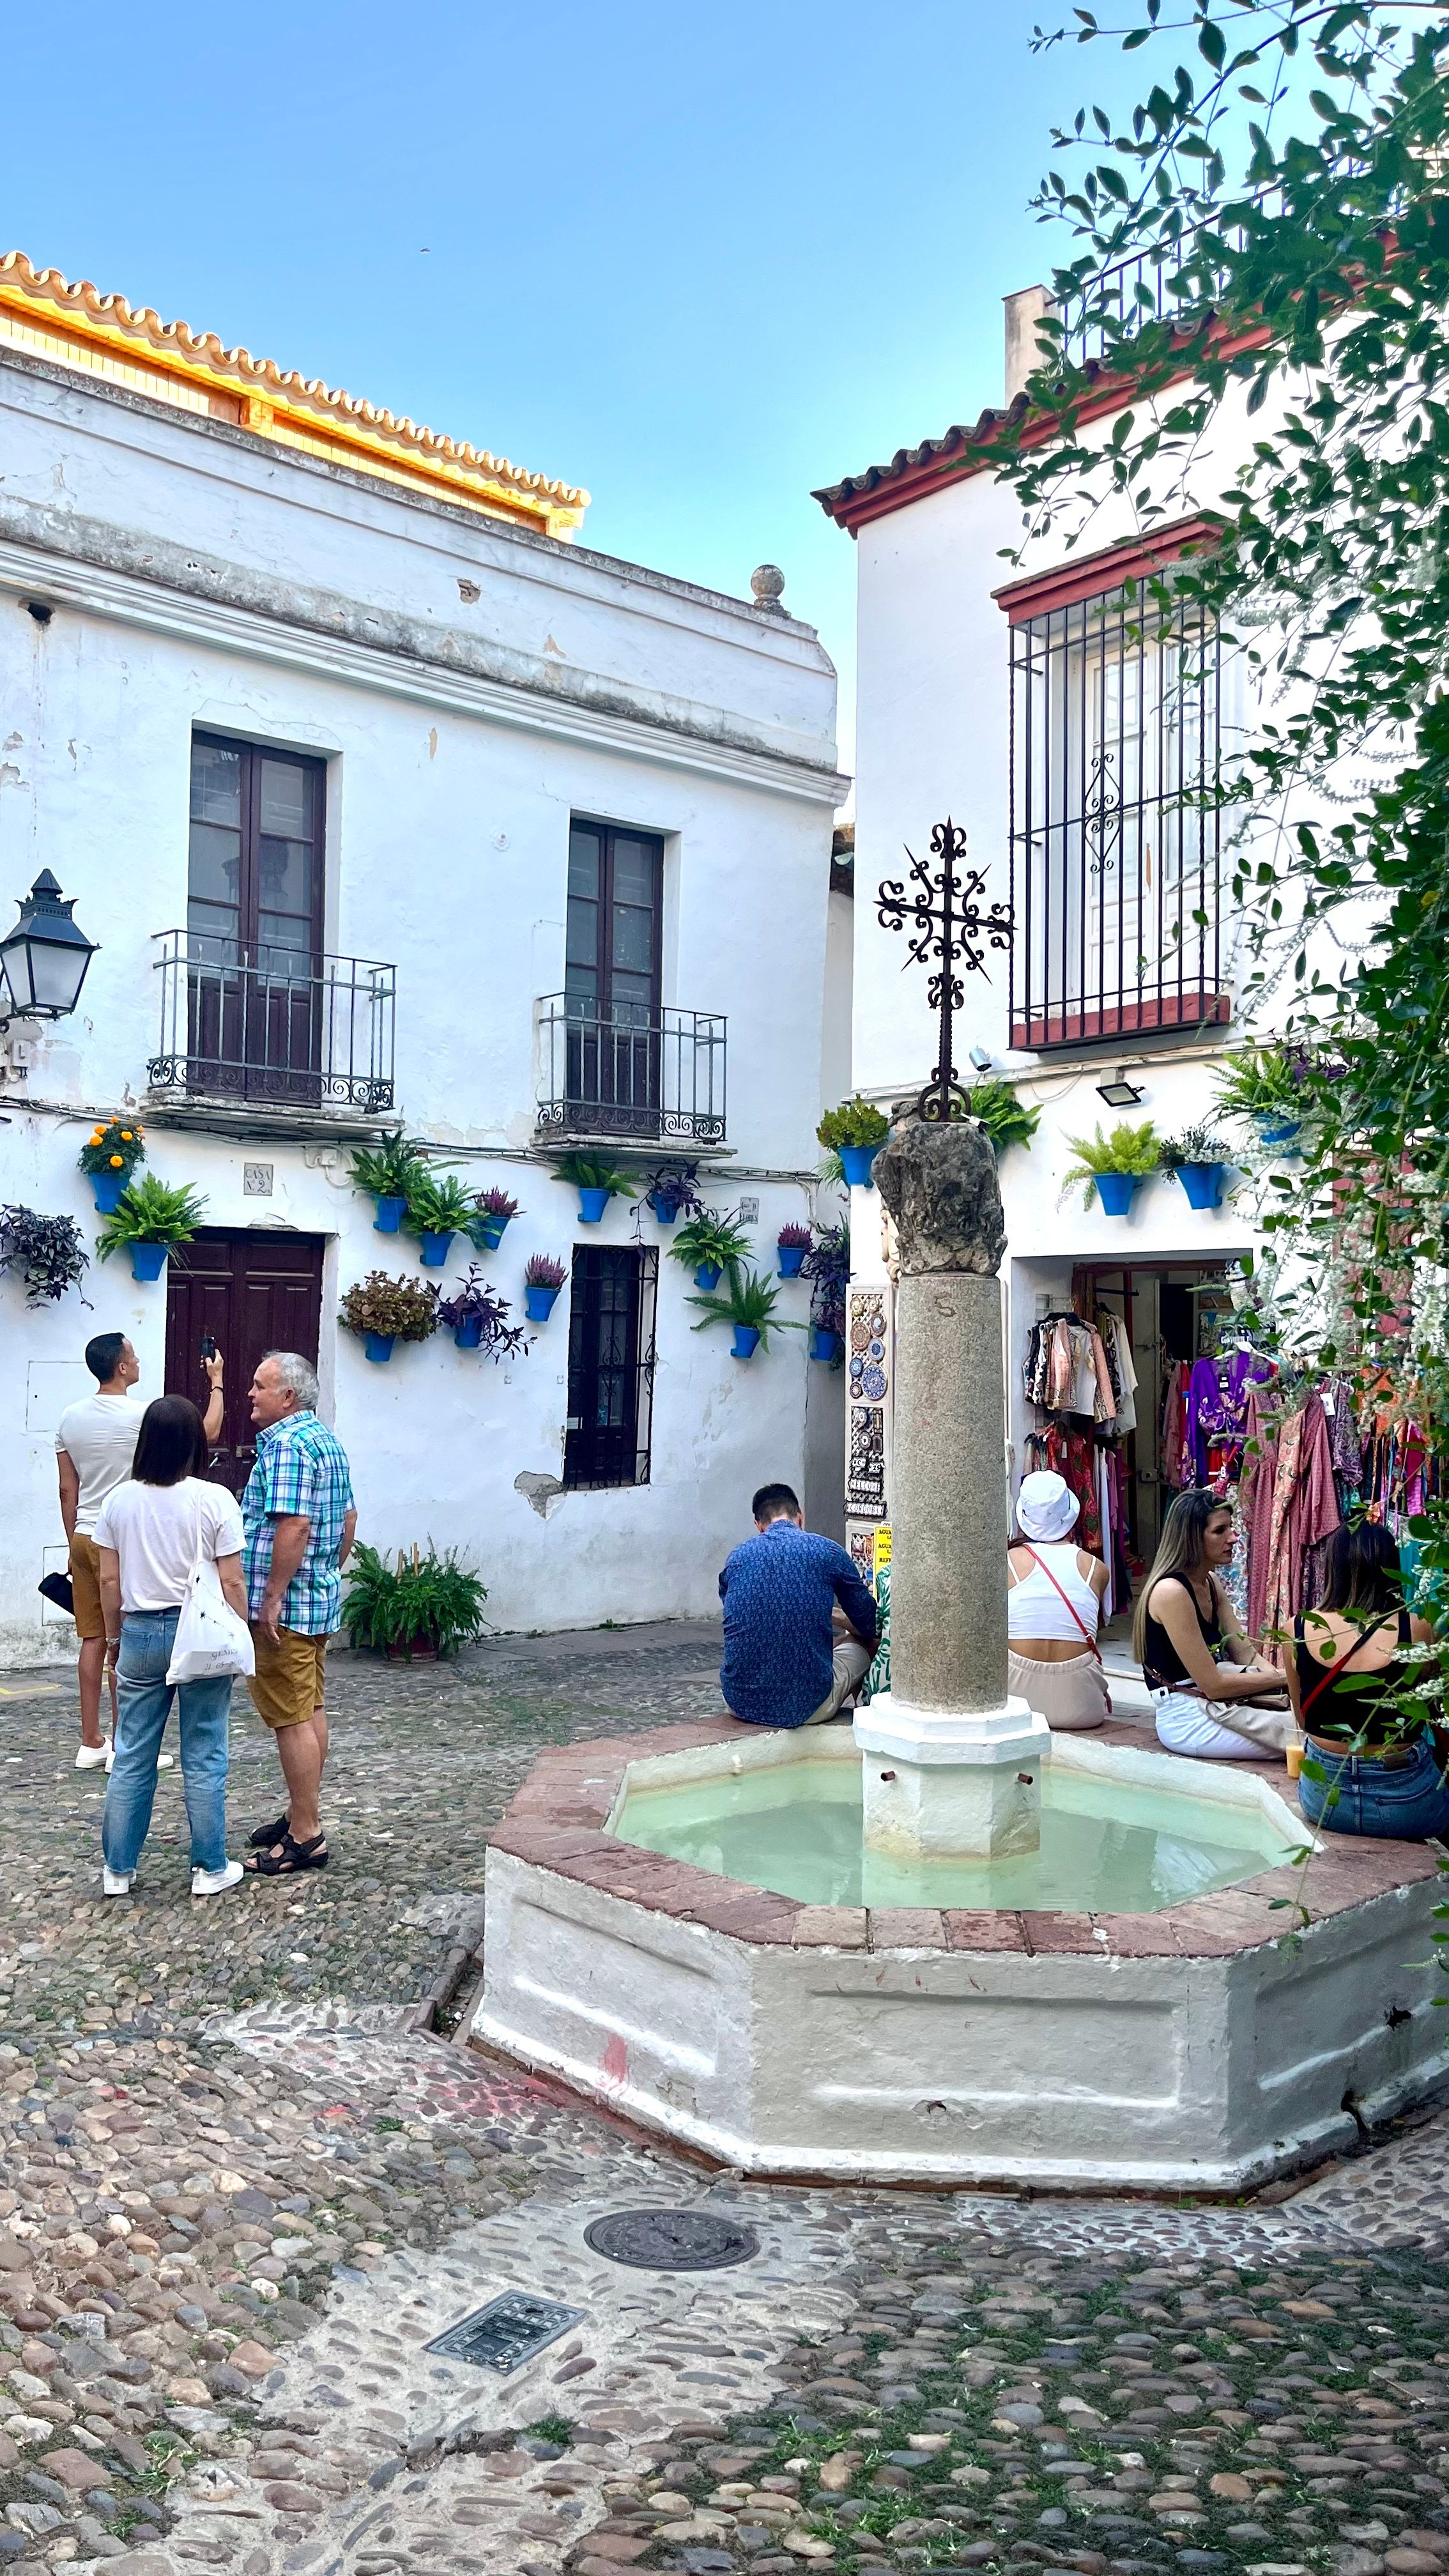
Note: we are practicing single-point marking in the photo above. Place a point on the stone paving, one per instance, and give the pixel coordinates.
(240, 2195)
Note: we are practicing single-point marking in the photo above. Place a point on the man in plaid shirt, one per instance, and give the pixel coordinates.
(300, 1520)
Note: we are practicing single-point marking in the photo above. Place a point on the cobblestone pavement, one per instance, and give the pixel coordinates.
(240, 2196)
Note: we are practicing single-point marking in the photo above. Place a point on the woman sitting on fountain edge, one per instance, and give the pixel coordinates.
(1217, 1699)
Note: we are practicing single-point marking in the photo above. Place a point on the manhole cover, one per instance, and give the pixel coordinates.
(672, 2240)
(507, 2333)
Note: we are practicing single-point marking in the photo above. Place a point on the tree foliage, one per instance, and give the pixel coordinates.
(1273, 224)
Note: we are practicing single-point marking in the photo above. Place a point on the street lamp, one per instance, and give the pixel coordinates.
(43, 962)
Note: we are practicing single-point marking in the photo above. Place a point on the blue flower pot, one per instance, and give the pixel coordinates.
(707, 1276)
(791, 1256)
(1279, 1134)
(110, 1188)
(435, 1250)
(665, 1210)
(538, 1303)
(390, 1214)
(1117, 1190)
(469, 1333)
(148, 1260)
(1203, 1183)
(823, 1345)
(746, 1341)
(857, 1161)
(592, 1204)
(378, 1346)
(488, 1232)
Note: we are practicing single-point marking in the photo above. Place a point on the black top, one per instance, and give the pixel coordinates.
(1162, 1665)
(1353, 1703)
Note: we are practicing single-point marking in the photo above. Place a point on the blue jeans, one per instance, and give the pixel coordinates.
(145, 1698)
(1407, 1804)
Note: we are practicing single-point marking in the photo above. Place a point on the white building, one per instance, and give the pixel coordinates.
(1022, 701)
(306, 709)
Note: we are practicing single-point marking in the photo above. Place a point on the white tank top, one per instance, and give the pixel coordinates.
(1034, 1607)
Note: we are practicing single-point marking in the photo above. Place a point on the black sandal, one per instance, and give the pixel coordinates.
(266, 1835)
(291, 1858)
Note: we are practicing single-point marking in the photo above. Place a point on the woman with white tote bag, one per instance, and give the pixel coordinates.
(170, 1558)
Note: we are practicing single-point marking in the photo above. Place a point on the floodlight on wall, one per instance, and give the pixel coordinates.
(43, 962)
(1120, 1093)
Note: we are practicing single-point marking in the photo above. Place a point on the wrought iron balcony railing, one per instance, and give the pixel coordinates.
(631, 1071)
(269, 1025)
(1164, 282)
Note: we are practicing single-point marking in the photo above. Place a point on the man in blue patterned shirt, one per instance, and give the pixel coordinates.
(300, 1520)
(799, 1624)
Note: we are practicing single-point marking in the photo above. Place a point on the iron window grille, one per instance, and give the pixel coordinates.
(611, 1365)
(310, 1032)
(633, 1070)
(1116, 868)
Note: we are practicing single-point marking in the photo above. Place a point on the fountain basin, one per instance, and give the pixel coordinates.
(1187, 2047)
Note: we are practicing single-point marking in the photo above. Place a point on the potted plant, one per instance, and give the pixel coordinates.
(1262, 1087)
(827, 1266)
(542, 1279)
(1114, 1165)
(709, 1244)
(150, 1219)
(425, 1605)
(494, 1211)
(110, 1157)
(856, 1131)
(387, 1173)
(671, 1192)
(1006, 1118)
(383, 1311)
(477, 1318)
(791, 1244)
(595, 1182)
(44, 1252)
(1199, 1157)
(437, 1210)
(747, 1302)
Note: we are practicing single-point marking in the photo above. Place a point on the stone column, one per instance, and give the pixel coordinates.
(952, 1764)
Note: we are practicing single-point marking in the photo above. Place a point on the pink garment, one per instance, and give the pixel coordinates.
(1303, 1510)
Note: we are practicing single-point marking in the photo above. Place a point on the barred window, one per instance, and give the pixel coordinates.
(611, 1365)
(1115, 855)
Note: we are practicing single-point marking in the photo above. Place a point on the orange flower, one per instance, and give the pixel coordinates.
(125, 1135)
(118, 1162)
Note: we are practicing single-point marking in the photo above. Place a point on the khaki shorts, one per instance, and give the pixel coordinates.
(85, 1577)
(289, 1679)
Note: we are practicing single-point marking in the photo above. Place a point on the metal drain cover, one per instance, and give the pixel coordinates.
(507, 2333)
(672, 2240)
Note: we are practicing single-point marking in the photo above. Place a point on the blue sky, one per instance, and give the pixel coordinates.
(697, 261)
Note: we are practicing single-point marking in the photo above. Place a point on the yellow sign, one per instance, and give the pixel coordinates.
(881, 1548)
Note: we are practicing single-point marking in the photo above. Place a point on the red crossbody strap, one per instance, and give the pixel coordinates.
(1335, 1669)
(1066, 1597)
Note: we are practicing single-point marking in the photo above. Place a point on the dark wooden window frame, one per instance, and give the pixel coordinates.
(249, 907)
(617, 1452)
(609, 833)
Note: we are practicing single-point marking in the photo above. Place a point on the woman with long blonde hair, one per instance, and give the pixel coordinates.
(1216, 1698)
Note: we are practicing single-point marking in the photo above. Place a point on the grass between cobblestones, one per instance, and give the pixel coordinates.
(1275, 2419)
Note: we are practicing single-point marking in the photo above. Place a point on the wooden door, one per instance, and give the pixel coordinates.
(253, 1291)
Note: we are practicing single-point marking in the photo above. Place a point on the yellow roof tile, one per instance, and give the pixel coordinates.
(103, 335)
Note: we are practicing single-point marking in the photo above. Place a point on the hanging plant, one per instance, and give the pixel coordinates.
(109, 1157)
(494, 1210)
(45, 1253)
(436, 1211)
(383, 1311)
(1006, 1117)
(477, 1318)
(1113, 1165)
(149, 1220)
(709, 1244)
(748, 1302)
(827, 1266)
(671, 1192)
(543, 1277)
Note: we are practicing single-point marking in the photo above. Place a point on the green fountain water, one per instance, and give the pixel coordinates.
(1108, 1846)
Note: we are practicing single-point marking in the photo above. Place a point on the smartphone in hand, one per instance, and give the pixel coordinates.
(208, 1347)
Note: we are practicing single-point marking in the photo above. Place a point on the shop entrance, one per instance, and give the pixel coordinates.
(1174, 1314)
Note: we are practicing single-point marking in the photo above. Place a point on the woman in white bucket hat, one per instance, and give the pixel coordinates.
(1054, 1609)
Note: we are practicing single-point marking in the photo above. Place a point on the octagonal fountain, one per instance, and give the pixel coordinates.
(949, 1947)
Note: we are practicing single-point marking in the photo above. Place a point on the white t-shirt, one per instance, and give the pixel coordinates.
(98, 1435)
(153, 1531)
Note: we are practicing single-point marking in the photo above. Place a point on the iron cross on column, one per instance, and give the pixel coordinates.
(947, 923)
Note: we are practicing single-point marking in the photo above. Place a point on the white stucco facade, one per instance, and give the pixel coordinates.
(470, 687)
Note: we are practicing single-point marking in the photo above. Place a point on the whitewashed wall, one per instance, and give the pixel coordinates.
(198, 578)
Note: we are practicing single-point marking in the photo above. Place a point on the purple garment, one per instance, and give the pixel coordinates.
(1217, 1407)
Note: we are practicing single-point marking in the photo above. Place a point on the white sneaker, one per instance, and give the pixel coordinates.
(89, 1757)
(165, 1761)
(116, 1882)
(110, 1755)
(212, 1882)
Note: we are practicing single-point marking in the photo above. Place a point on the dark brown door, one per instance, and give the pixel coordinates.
(253, 1291)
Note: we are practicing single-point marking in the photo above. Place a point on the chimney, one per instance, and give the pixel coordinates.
(1024, 352)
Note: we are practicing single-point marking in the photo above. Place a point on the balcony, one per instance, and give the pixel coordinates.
(632, 1074)
(271, 1035)
(1167, 281)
